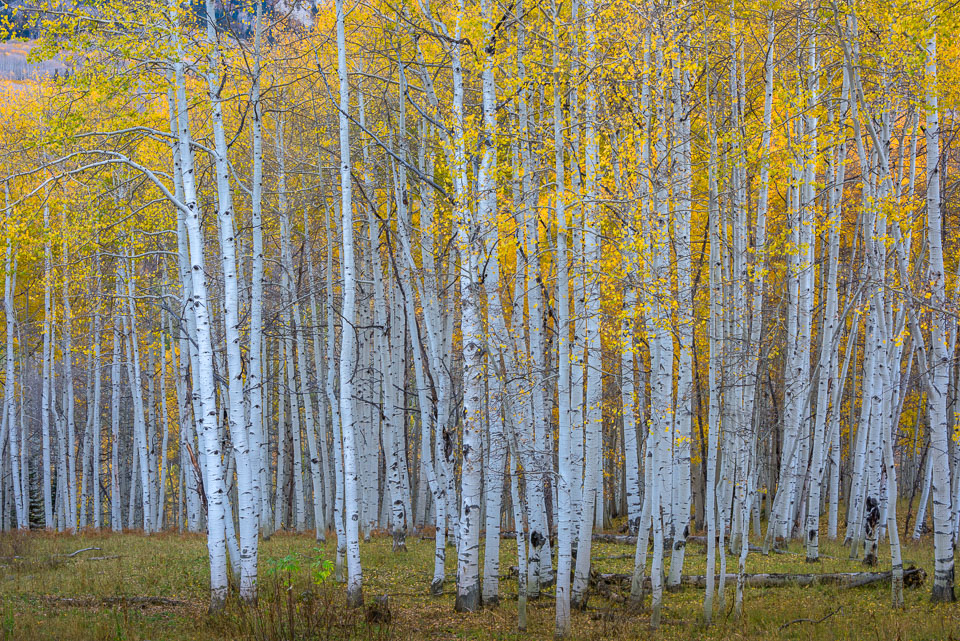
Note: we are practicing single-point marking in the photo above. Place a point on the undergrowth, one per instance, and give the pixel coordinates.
(298, 601)
(151, 588)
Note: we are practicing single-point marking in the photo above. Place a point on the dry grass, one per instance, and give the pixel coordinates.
(46, 595)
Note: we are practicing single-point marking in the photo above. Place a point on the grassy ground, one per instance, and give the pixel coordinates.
(46, 595)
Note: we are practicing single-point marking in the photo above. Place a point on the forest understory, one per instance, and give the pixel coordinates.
(135, 587)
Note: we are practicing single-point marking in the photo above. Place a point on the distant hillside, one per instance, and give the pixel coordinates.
(236, 16)
(14, 65)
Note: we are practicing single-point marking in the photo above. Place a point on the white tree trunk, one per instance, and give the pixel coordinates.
(46, 383)
(9, 389)
(347, 352)
(593, 410)
(939, 365)
(136, 393)
(247, 499)
(204, 391)
(116, 517)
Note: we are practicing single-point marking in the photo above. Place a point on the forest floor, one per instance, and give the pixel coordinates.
(136, 587)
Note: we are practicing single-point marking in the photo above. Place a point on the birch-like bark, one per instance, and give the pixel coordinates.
(46, 382)
(188, 408)
(682, 224)
(90, 485)
(316, 468)
(943, 574)
(204, 391)
(256, 433)
(116, 517)
(836, 202)
(716, 362)
(567, 478)
(593, 411)
(247, 499)
(136, 392)
(318, 448)
(9, 389)
(291, 318)
(496, 339)
(281, 386)
(469, 245)
(433, 407)
(828, 348)
(347, 351)
(164, 441)
(334, 401)
(661, 347)
(69, 453)
(918, 528)
(151, 424)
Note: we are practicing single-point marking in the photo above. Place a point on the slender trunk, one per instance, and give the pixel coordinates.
(136, 393)
(204, 391)
(9, 396)
(46, 384)
(939, 365)
(347, 344)
(566, 478)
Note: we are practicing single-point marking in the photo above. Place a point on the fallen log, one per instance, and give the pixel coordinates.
(624, 539)
(92, 601)
(911, 577)
(629, 539)
(73, 554)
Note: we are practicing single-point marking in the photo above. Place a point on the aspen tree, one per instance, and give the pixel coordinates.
(68, 451)
(538, 354)
(469, 236)
(188, 415)
(682, 225)
(256, 438)
(389, 350)
(334, 400)
(115, 358)
(943, 549)
(643, 147)
(291, 320)
(9, 397)
(204, 391)
(94, 407)
(134, 370)
(661, 342)
(316, 467)
(593, 425)
(323, 502)
(497, 351)
(715, 365)
(828, 348)
(567, 473)
(432, 408)
(246, 497)
(280, 499)
(835, 203)
(348, 313)
(46, 382)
